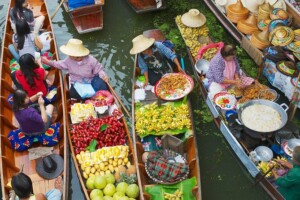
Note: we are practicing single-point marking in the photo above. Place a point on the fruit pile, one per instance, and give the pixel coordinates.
(264, 167)
(152, 119)
(176, 196)
(103, 188)
(108, 131)
(80, 112)
(191, 35)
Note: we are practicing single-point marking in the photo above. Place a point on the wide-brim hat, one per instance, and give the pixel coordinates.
(281, 36)
(296, 155)
(50, 166)
(278, 13)
(193, 18)
(75, 48)
(140, 44)
(263, 24)
(288, 68)
(297, 55)
(294, 46)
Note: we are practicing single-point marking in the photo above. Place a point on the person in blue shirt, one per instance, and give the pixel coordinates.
(153, 59)
(289, 184)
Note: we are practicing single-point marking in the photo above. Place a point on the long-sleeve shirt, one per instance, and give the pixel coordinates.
(162, 49)
(289, 185)
(216, 69)
(83, 71)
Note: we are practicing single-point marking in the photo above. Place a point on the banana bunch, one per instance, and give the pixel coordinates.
(264, 167)
(210, 53)
(176, 196)
(154, 119)
(191, 35)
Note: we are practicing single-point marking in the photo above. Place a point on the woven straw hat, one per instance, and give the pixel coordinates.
(248, 26)
(287, 67)
(140, 44)
(75, 48)
(281, 36)
(294, 46)
(263, 24)
(260, 39)
(193, 18)
(278, 13)
(296, 155)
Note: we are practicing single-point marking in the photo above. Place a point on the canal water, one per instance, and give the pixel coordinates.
(222, 174)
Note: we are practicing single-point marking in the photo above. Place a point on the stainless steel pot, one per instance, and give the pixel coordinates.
(279, 108)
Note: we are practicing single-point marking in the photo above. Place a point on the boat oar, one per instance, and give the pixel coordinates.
(56, 10)
(117, 97)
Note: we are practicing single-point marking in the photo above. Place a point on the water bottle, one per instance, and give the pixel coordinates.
(254, 157)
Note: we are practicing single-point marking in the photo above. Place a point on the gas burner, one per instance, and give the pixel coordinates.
(290, 130)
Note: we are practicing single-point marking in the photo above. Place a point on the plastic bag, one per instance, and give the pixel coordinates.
(85, 90)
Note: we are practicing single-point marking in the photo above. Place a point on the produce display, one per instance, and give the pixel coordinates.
(101, 98)
(190, 35)
(176, 196)
(80, 112)
(264, 167)
(173, 86)
(108, 131)
(210, 53)
(169, 118)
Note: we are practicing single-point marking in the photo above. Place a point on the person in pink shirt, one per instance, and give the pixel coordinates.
(81, 66)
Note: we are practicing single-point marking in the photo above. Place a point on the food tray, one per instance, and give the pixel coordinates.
(225, 100)
(170, 88)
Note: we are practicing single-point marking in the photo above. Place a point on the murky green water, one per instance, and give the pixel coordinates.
(222, 175)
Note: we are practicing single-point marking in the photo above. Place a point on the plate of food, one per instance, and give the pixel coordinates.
(286, 149)
(225, 100)
(173, 86)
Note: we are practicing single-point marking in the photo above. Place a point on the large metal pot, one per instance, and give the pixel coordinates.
(277, 107)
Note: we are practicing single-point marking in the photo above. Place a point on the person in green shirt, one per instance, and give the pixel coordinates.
(289, 184)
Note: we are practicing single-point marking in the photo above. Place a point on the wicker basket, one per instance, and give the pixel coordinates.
(248, 26)
(237, 12)
(264, 11)
(260, 39)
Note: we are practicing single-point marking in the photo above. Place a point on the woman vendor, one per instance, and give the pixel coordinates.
(289, 184)
(82, 67)
(153, 58)
(224, 69)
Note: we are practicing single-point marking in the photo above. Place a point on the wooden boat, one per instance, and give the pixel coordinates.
(87, 18)
(12, 161)
(146, 5)
(69, 126)
(190, 145)
(233, 138)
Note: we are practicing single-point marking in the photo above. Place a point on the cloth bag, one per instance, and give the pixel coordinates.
(85, 90)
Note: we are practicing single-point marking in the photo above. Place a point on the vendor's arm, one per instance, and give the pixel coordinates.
(61, 64)
(98, 69)
(144, 69)
(43, 109)
(168, 54)
(35, 97)
(288, 180)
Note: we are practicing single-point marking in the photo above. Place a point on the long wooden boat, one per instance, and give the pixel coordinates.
(87, 18)
(146, 5)
(70, 126)
(190, 146)
(233, 137)
(12, 161)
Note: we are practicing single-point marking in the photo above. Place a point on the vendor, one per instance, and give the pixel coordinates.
(82, 67)
(153, 59)
(289, 185)
(224, 69)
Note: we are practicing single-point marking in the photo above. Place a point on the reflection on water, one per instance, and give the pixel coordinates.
(222, 175)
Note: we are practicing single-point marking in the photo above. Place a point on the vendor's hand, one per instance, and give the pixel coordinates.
(180, 70)
(41, 101)
(44, 60)
(104, 78)
(274, 172)
(238, 83)
(145, 83)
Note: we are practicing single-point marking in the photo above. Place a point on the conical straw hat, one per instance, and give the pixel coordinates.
(193, 18)
(294, 46)
(75, 48)
(281, 36)
(140, 44)
(249, 25)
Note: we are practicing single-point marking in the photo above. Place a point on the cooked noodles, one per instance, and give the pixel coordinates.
(172, 83)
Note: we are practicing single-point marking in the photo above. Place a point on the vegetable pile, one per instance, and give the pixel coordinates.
(169, 118)
(108, 131)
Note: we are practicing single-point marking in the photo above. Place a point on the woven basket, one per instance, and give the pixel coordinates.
(236, 12)
(264, 11)
(260, 39)
(248, 26)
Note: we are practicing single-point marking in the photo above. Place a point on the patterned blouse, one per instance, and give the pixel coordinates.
(216, 69)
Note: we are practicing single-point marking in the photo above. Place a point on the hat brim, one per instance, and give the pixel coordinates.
(71, 52)
(291, 47)
(136, 50)
(192, 23)
(285, 73)
(288, 39)
(60, 167)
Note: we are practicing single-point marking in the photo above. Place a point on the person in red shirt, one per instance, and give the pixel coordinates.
(31, 77)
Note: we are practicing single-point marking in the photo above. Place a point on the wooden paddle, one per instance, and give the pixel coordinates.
(56, 10)
(117, 97)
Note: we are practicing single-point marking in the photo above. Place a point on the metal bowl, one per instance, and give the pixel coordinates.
(264, 153)
(292, 143)
(202, 66)
(262, 95)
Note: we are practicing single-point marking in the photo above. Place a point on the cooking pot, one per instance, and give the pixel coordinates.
(277, 107)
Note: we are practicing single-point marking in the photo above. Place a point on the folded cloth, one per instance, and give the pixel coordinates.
(161, 169)
(39, 152)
